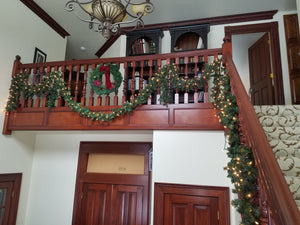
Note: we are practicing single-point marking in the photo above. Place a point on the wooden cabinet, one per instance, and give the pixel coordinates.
(189, 37)
(142, 42)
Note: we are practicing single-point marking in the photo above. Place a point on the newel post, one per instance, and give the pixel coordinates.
(227, 48)
(15, 70)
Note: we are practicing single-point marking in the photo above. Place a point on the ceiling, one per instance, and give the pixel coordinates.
(165, 11)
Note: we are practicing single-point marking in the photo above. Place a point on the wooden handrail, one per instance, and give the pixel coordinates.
(283, 208)
(209, 52)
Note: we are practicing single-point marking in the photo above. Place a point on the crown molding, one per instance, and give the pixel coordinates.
(45, 17)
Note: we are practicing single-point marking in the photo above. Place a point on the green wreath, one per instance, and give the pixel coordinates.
(101, 87)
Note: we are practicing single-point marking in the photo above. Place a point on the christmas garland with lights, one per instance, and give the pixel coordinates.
(241, 168)
(104, 88)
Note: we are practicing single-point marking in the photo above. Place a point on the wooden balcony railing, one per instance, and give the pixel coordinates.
(186, 110)
(276, 202)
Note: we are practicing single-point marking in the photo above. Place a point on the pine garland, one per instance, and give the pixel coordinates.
(241, 168)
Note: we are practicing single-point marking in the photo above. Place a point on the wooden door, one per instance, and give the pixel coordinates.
(10, 185)
(96, 200)
(190, 210)
(127, 205)
(112, 184)
(5, 201)
(261, 86)
(293, 49)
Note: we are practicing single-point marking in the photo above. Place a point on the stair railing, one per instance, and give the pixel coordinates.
(276, 202)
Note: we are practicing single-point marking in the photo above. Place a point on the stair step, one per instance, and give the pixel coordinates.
(282, 133)
(294, 185)
(285, 147)
(289, 165)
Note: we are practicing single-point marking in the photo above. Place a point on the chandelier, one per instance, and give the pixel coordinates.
(106, 16)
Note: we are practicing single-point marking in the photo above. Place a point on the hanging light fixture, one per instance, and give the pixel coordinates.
(107, 16)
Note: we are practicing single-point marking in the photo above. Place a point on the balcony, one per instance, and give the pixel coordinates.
(185, 109)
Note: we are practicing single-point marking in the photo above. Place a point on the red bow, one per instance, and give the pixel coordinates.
(106, 69)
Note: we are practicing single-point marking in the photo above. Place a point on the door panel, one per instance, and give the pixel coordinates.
(293, 50)
(190, 210)
(95, 204)
(262, 92)
(128, 202)
(5, 201)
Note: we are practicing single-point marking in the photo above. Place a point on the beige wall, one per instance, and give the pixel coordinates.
(20, 32)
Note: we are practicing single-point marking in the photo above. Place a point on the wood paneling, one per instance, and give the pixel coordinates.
(182, 116)
(176, 204)
(112, 199)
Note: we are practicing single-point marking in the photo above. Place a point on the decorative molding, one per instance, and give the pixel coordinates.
(246, 17)
(45, 17)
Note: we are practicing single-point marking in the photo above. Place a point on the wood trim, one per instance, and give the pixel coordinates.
(106, 45)
(82, 177)
(272, 28)
(221, 193)
(45, 17)
(246, 17)
(285, 210)
(200, 116)
(16, 178)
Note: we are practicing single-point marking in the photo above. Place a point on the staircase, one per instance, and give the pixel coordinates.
(282, 128)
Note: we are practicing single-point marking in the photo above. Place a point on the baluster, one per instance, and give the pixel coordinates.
(132, 86)
(115, 100)
(77, 83)
(196, 95)
(196, 65)
(186, 62)
(205, 93)
(125, 83)
(176, 98)
(158, 95)
(83, 100)
(206, 58)
(63, 69)
(158, 64)
(38, 100)
(48, 70)
(29, 100)
(186, 97)
(69, 81)
(150, 63)
(150, 67)
(91, 99)
(141, 76)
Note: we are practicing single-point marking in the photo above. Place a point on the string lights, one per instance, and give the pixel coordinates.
(241, 167)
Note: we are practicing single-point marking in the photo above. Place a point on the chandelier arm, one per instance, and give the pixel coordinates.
(70, 5)
(138, 19)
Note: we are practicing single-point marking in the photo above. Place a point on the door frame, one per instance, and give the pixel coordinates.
(220, 193)
(272, 29)
(135, 148)
(16, 179)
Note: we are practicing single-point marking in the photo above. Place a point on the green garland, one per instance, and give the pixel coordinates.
(98, 86)
(241, 168)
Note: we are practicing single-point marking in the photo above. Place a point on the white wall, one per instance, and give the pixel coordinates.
(191, 157)
(240, 46)
(54, 172)
(21, 31)
(187, 157)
